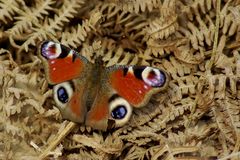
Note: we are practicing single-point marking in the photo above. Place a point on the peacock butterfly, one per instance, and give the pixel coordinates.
(100, 97)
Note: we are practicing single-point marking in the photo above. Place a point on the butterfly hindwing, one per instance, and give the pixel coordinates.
(98, 115)
(108, 110)
(69, 97)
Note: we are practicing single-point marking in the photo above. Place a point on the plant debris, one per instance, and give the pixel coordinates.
(197, 42)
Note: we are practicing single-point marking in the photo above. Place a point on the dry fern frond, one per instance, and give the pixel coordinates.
(111, 145)
(168, 152)
(183, 86)
(52, 25)
(197, 7)
(137, 6)
(80, 33)
(226, 115)
(196, 42)
(163, 27)
(138, 153)
(199, 34)
(84, 154)
(116, 57)
(130, 26)
(9, 9)
(192, 135)
(159, 122)
(31, 16)
(177, 68)
(217, 85)
(229, 19)
(189, 55)
(158, 152)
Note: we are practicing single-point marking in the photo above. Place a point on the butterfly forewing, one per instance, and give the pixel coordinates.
(61, 63)
(137, 83)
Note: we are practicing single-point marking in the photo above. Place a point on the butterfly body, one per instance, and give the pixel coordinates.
(98, 96)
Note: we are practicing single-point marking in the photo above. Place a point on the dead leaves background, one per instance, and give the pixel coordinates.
(196, 41)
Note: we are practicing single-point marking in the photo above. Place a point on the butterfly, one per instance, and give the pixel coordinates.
(97, 96)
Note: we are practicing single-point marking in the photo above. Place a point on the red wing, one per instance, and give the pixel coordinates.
(137, 84)
(76, 105)
(98, 116)
(60, 62)
(70, 99)
(75, 110)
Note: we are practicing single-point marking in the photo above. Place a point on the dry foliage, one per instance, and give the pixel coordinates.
(196, 41)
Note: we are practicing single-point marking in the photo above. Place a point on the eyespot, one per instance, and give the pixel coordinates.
(153, 77)
(62, 93)
(51, 50)
(120, 111)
